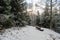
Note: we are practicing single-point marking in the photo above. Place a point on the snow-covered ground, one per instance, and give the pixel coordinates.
(29, 33)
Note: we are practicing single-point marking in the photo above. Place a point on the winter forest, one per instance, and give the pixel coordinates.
(29, 19)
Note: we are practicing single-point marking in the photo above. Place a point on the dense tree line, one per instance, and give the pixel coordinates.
(13, 13)
(48, 16)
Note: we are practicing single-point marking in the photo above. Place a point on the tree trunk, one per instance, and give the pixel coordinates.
(51, 14)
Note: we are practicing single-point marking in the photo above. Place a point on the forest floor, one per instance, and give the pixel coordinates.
(29, 33)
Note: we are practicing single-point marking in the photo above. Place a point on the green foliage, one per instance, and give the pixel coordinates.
(7, 24)
(38, 20)
(46, 22)
(14, 12)
(20, 17)
(1, 6)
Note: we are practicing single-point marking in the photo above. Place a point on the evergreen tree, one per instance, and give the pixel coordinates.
(14, 13)
(4, 10)
(1, 6)
(20, 16)
(38, 19)
(46, 17)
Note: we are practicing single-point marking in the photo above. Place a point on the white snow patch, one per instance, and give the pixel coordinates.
(29, 33)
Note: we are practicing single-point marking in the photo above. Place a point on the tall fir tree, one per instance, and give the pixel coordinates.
(14, 13)
(5, 13)
(46, 17)
(20, 16)
(38, 19)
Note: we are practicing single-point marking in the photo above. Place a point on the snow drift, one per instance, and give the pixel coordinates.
(29, 33)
